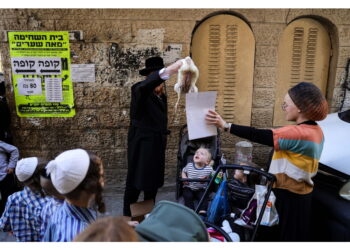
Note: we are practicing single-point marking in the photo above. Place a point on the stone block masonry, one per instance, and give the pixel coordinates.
(118, 41)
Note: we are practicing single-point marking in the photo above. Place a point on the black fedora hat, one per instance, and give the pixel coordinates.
(152, 64)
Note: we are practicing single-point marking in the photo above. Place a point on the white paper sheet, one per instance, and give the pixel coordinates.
(336, 148)
(53, 88)
(29, 86)
(197, 106)
(83, 72)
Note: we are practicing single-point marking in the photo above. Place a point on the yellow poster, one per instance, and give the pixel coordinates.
(41, 73)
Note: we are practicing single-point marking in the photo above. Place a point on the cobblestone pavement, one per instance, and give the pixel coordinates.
(114, 206)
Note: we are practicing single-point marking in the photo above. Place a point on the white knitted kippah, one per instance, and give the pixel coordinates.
(68, 169)
(25, 168)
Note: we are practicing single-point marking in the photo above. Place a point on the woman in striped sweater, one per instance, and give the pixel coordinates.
(297, 150)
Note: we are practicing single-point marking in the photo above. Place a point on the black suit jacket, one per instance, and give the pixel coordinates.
(147, 136)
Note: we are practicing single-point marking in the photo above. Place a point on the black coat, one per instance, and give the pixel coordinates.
(5, 120)
(147, 136)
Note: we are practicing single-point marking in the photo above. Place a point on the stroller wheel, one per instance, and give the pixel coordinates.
(219, 229)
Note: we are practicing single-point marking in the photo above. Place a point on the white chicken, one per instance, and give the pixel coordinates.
(186, 79)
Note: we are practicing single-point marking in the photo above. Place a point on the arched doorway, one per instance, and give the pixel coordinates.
(223, 48)
(304, 53)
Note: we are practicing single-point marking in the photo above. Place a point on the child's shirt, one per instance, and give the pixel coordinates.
(67, 222)
(21, 215)
(46, 213)
(193, 172)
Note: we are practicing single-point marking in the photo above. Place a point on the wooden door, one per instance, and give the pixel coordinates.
(303, 55)
(223, 49)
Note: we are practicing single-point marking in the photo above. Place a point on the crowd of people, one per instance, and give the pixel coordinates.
(61, 197)
(61, 201)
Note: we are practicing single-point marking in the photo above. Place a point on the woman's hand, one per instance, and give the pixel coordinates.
(213, 118)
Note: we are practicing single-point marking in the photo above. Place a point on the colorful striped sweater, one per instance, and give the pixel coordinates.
(295, 159)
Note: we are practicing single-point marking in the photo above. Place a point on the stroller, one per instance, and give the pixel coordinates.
(240, 198)
(186, 151)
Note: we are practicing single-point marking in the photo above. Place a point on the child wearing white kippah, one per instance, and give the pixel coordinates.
(78, 176)
(23, 208)
(56, 201)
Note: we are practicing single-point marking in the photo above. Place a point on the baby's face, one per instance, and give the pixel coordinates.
(201, 156)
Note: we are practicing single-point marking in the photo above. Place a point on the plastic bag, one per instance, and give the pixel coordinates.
(219, 207)
(270, 216)
(249, 214)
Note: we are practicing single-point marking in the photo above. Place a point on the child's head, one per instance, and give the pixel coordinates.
(202, 156)
(108, 229)
(77, 172)
(309, 100)
(28, 172)
(47, 186)
(239, 175)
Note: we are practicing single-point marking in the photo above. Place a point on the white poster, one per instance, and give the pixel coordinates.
(197, 106)
(83, 72)
(29, 86)
(53, 89)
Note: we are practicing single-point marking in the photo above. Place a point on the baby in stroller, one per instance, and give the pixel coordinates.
(186, 152)
(199, 168)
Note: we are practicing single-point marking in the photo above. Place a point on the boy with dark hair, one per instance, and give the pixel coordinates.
(78, 176)
(55, 201)
(23, 208)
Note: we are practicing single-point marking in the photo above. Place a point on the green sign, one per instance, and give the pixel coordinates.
(41, 74)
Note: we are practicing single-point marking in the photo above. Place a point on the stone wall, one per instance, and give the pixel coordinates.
(117, 41)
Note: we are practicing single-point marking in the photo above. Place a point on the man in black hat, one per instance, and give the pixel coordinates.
(148, 132)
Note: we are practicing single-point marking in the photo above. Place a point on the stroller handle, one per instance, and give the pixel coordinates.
(269, 176)
(194, 180)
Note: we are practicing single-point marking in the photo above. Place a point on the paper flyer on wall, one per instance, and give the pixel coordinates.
(41, 73)
(83, 72)
(197, 106)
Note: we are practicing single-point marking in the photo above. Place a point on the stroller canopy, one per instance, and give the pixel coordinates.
(170, 221)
